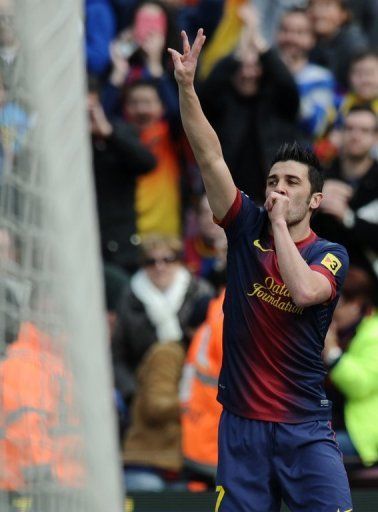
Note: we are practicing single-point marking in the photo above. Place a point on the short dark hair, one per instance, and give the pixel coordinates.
(297, 153)
(140, 82)
(296, 9)
(346, 7)
(362, 54)
(359, 283)
(363, 107)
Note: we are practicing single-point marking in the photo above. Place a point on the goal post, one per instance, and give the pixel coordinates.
(58, 442)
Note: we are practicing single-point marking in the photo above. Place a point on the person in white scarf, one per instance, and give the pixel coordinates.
(162, 304)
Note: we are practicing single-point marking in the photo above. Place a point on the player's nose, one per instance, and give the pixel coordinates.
(280, 190)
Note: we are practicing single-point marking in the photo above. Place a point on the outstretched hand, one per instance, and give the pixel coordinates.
(185, 64)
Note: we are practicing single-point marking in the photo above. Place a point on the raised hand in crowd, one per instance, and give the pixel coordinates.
(336, 197)
(120, 51)
(251, 37)
(99, 124)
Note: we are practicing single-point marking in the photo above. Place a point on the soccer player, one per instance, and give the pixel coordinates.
(283, 282)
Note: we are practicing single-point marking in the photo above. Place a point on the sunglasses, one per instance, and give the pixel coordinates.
(150, 262)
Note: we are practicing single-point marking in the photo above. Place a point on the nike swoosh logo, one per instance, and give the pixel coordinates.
(257, 244)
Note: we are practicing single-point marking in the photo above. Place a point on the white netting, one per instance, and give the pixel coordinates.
(57, 430)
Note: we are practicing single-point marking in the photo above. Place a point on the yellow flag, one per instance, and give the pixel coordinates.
(225, 37)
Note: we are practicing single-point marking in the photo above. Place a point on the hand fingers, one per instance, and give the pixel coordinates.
(338, 187)
(176, 56)
(198, 43)
(185, 42)
(268, 204)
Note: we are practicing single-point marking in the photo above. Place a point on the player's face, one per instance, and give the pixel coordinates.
(291, 179)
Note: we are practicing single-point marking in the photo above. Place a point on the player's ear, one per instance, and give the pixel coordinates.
(315, 200)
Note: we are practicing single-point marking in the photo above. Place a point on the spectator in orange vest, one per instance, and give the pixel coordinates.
(199, 387)
(39, 441)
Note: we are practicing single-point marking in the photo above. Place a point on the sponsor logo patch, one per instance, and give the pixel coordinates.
(331, 262)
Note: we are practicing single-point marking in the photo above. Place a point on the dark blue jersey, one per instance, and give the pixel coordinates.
(272, 367)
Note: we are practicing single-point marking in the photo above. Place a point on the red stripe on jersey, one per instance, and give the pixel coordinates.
(232, 212)
(329, 276)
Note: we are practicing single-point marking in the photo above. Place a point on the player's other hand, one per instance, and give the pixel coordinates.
(186, 63)
(277, 206)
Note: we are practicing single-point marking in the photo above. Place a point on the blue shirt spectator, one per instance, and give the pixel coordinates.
(100, 30)
(315, 84)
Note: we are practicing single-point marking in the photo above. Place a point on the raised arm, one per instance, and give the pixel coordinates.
(219, 185)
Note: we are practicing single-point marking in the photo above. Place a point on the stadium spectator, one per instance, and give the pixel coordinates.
(100, 30)
(348, 213)
(338, 38)
(118, 158)
(226, 35)
(198, 393)
(139, 53)
(316, 85)
(366, 13)
(163, 302)
(125, 71)
(271, 12)
(152, 449)
(204, 252)
(363, 90)
(363, 78)
(158, 194)
(39, 440)
(242, 98)
(351, 353)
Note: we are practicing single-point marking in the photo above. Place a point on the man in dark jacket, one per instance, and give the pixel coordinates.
(118, 158)
(162, 303)
(338, 38)
(251, 100)
(349, 210)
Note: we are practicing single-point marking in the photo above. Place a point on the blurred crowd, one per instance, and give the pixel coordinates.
(271, 71)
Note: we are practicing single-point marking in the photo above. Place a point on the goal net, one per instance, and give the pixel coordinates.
(58, 447)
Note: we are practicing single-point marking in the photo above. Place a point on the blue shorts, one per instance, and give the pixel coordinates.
(261, 463)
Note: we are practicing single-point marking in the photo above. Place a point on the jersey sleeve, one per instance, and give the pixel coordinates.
(242, 213)
(332, 261)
